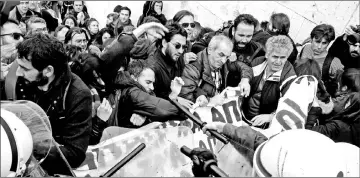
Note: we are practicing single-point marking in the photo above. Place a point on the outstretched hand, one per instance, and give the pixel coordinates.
(155, 29)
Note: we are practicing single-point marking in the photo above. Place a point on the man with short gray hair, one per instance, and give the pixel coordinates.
(272, 76)
(206, 77)
(36, 25)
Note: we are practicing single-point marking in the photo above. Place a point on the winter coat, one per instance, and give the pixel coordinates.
(135, 100)
(198, 79)
(165, 70)
(271, 91)
(115, 56)
(339, 50)
(342, 125)
(70, 119)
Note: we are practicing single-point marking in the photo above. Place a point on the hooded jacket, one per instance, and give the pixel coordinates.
(148, 10)
(135, 99)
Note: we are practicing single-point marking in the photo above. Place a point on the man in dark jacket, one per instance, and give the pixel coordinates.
(204, 78)
(43, 76)
(272, 75)
(137, 97)
(167, 62)
(116, 55)
(346, 49)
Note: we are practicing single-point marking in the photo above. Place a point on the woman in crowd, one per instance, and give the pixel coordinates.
(92, 26)
(102, 36)
(70, 21)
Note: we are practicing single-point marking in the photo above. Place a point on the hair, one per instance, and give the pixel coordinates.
(125, 8)
(169, 22)
(351, 79)
(311, 67)
(34, 19)
(69, 17)
(89, 21)
(264, 25)
(179, 15)
(8, 21)
(246, 19)
(113, 15)
(117, 8)
(281, 22)
(205, 31)
(98, 37)
(174, 29)
(43, 50)
(136, 66)
(220, 39)
(323, 31)
(148, 19)
(280, 41)
(59, 28)
(75, 30)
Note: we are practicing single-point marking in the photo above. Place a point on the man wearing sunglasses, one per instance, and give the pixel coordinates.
(168, 63)
(344, 53)
(9, 38)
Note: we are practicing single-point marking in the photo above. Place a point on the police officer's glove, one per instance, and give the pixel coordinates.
(202, 158)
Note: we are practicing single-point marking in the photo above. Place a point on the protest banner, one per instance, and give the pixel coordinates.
(161, 157)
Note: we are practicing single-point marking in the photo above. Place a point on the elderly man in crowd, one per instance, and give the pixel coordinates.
(272, 74)
(204, 78)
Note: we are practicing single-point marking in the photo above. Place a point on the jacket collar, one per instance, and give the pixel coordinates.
(259, 69)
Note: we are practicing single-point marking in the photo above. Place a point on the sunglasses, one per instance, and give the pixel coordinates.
(353, 39)
(16, 36)
(185, 25)
(178, 46)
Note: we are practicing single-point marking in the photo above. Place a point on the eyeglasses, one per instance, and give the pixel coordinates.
(353, 39)
(178, 46)
(186, 25)
(16, 36)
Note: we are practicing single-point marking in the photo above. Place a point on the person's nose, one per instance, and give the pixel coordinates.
(151, 86)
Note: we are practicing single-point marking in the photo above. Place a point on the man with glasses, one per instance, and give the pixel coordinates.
(36, 25)
(203, 78)
(167, 62)
(343, 54)
(10, 36)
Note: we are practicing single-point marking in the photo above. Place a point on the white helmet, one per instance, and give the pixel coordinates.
(298, 153)
(16, 144)
(350, 154)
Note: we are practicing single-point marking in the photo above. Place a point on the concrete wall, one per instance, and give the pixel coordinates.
(304, 15)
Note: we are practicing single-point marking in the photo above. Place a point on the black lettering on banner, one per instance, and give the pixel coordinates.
(209, 142)
(202, 144)
(227, 111)
(195, 126)
(280, 115)
(217, 116)
(308, 77)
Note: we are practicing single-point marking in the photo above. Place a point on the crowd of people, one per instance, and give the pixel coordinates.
(86, 79)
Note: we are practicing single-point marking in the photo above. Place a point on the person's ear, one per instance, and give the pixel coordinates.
(164, 43)
(48, 71)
